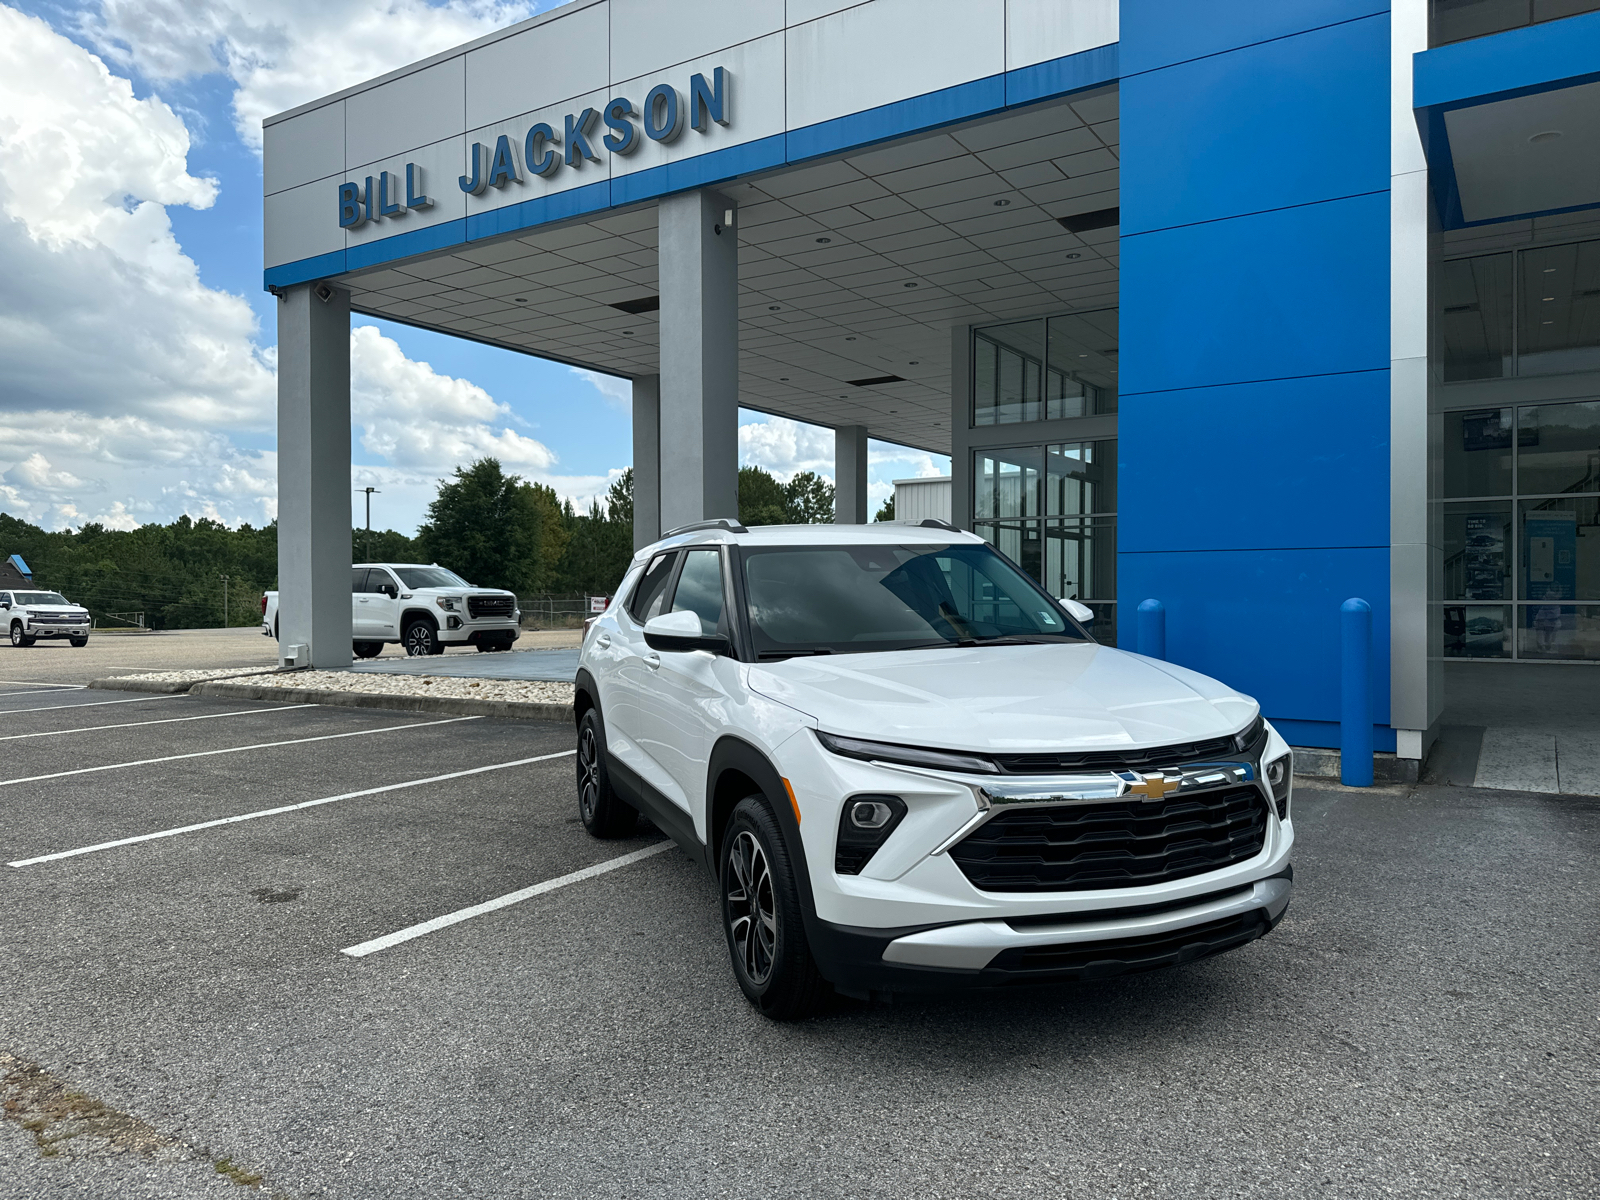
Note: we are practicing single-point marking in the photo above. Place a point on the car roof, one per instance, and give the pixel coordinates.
(884, 533)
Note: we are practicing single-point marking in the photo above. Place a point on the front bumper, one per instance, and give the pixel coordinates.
(471, 633)
(59, 631)
(1080, 946)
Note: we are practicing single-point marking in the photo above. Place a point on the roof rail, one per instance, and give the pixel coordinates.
(936, 523)
(727, 523)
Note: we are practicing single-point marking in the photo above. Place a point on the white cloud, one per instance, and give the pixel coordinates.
(285, 53)
(786, 447)
(615, 391)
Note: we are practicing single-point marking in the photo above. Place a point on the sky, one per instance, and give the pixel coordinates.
(137, 347)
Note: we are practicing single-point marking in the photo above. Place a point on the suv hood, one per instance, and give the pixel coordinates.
(1006, 698)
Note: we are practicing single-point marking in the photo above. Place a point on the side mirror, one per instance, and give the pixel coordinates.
(680, 631)
(389, 590)
(1081, 613)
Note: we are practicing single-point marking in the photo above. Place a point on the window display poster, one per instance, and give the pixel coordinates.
(1550, 541)
(1485, 558)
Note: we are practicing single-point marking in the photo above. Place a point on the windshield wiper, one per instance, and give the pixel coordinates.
(774, 654)
(1024, 639)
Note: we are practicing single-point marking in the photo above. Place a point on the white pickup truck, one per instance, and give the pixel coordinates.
(31, 615)
(423, 608)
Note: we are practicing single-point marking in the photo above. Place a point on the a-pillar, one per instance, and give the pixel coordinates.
(698, 268)
(646, 460)
(314, 476)
(850, 475)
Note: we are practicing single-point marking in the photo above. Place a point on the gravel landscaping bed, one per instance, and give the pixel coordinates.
(196, 676)
(518, 690)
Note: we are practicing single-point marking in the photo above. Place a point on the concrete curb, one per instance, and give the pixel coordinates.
(524, 710)
(1314, 763)
(160, 687)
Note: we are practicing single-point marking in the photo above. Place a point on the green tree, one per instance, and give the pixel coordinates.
(489, 528)
(601, 542)
(808, 499)
(886, 513)
(761, 498)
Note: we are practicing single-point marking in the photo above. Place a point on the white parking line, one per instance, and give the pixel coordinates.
(249, 712)
(43, 683)
(287, 808)
(510, 898)
(6, 712)
(42, 690)
(145, 762)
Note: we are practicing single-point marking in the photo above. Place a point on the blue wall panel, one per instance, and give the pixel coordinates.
(1298, 291)
(1254, 419)
(1265, 621)
(1329, 129)
(1158, 33)
(1304, 462)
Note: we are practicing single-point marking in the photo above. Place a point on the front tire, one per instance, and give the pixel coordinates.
(762, 917)
(18, 638)
(605, 814)
(422, 638)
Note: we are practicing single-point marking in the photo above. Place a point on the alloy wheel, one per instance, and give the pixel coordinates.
(588, 774)
(418, 640)
(16, 635)
(751, 907)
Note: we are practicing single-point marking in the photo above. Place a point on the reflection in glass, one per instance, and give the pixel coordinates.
(1477, 452)
(1474, 317)
(1080, 477)
(1560, 326)
(1082, 365)
(1561, 549)
(1080, 560)
(1477, 551)
(1558, 448)
(1006, 483)
(1477, 631)
(1555, 631)
(1008, 362)
(1017, 377)
(1458, 20)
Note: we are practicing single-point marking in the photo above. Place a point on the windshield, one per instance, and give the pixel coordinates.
(428, 577)
(855, 599)
(41, 598)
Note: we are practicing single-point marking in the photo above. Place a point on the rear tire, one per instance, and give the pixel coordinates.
(762, 917)
(605, 814)
(367, 649)
(422, 638)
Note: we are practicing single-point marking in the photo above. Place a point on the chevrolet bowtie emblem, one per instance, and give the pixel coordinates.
(1153, 787)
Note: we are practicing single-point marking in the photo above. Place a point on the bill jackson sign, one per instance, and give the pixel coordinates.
(544, 150)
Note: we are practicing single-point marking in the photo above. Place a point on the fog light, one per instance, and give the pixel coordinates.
(453, 623)
(864, 825)
(1279, 775)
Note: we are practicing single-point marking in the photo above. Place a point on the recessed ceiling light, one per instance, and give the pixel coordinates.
(1549, 135)
(520, 300)
(783, 379)
(772, 308)
(842, 397)
(627, 333)
(849, 339)
(1083, 356)
(1001, 203)
(1549, 322)
(894, 410)
(1549, 270)
(823, 241)
(913, 284)
(915, 361)
(1074, 256)
(1547, 299)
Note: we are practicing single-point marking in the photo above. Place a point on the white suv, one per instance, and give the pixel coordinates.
(31, 615)
(423, 608)
(907, 767)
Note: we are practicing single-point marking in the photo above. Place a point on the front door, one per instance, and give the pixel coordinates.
(383, 604)
(632, 674)
(683, 701)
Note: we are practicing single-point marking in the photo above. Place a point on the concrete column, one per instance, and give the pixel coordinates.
(646, 460)
(850, 475)
(314, 475)
(699, 273)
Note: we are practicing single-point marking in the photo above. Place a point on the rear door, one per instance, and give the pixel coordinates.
(683, 703)
(630, 676)
(360, 609)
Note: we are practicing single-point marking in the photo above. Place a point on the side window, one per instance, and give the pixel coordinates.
(377, 577)
(700, 588)
(651, 588)
(358, 579)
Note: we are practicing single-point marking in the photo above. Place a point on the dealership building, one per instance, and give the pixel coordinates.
(1355, 253)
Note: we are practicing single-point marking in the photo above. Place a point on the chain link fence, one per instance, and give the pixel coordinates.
(554, 611)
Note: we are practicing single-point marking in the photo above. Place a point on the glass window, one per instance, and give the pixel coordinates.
(1082, 365)
(41, 598)
(1080, 477)
(1477, 452)
(652, 586)
(1559, 631)
(1458, 20)
(1560, 326)
(1477, 631)
(700, 588)
(843, 599)
(429, 577)
(1477, 551)
(1474, 298)
(358, 579)
(1558, 448)
(1006, 483)
(1560, 549)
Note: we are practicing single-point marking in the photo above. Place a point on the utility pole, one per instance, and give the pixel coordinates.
(369, 490)
(224, 601)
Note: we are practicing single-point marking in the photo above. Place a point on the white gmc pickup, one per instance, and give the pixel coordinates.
(424, 608)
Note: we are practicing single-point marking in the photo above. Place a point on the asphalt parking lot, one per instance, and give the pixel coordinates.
(1423, 1023)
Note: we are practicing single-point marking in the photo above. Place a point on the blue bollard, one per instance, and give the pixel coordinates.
(1153, 629)
(1355, 693)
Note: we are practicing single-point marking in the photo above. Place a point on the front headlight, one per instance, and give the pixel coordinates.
(446, 603)
(1279, 774)
(911, 756)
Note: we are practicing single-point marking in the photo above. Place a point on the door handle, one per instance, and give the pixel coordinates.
(653, 661)
(603, 641)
